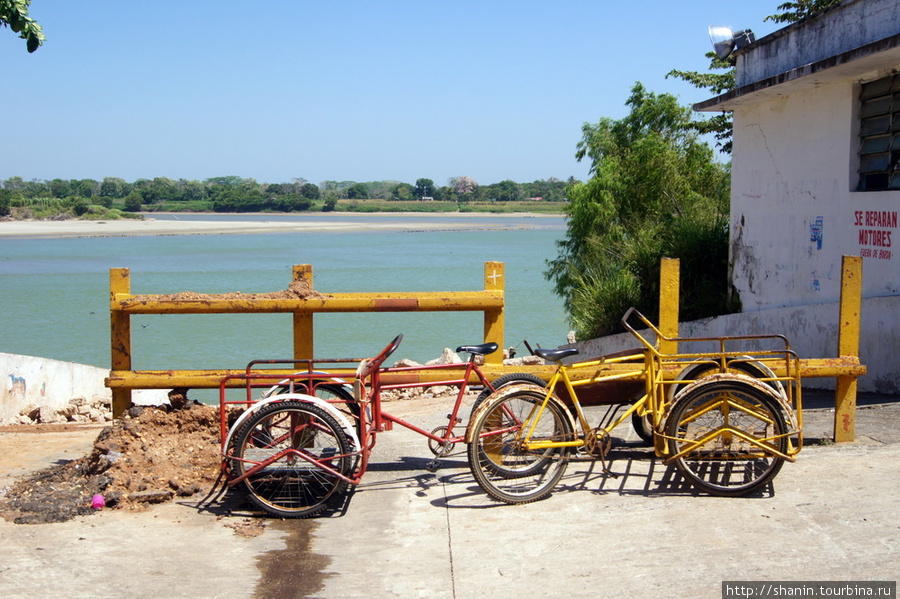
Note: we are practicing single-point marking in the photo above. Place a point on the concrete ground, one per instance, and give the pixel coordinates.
(406, 532)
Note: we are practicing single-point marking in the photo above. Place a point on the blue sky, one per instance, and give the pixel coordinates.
(342, 90)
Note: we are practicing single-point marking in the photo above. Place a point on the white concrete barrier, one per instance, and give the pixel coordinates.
(41, 382)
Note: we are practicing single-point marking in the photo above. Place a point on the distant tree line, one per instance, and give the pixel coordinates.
(238, 194)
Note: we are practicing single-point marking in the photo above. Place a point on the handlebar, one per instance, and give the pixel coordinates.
(367, 367)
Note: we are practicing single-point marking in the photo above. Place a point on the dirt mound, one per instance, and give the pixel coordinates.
(150, 456)
(298, 289)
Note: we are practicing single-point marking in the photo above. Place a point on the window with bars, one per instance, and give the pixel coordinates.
(879, 132)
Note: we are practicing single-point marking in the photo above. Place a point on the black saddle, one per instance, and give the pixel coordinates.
(555, 355)
(479, 350)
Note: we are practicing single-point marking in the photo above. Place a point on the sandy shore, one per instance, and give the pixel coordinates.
(151, 226)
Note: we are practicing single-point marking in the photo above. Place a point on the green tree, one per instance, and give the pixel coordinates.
(655, 191)
(133, 202)
(310, 191)
(791, 12)
(14, 184)
(60, 188)
(114, 187)
(424, 188)
(87, 188)
(357, 191)
(5, 201)
(160, 189)
(274, 190)
(80, 206)
(720, 125)
(403, 192)
(504, 191)
(14, 14)
(192, 191)
(229, 181)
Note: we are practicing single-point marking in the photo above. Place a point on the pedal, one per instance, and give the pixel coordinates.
(433, 466)
(458, 420)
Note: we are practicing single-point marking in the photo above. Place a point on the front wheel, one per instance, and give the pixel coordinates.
(513, 378)
(499, 456)
(294, 455)
(730, 432)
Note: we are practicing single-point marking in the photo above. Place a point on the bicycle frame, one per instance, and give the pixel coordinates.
(659, 372)
(372, 419)
(562, 375)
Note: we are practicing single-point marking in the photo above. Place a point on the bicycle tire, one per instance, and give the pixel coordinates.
(292, 487)
(726, 465)
(502, 467)
(340, 395)
(735, 366)
(642, 425)
(513, 378)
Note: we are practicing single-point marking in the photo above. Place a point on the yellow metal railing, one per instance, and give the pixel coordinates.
(846, 368)
(123, 304)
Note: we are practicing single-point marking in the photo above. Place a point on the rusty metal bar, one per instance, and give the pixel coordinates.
(303, 320)
(210, 379)
(473, 301)
(120, 333)
(123, 304)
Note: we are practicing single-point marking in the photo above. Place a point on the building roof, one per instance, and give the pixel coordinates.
(854, 39)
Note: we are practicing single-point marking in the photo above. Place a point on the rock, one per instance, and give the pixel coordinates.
(68, 411)
(439, 390)
(447, 357)
(406, 363)
(151, 496)
(47, 415)
(178, 399)
(524, 361)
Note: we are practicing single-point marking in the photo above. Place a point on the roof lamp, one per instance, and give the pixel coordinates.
(725, 41)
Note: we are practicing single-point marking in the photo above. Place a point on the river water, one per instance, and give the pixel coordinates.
(54, 292)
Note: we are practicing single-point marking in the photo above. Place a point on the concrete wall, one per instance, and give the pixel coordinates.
(793, 214)
(28, 380)
(841, 29)
(811, 330)
(794, 208)
(39, 382)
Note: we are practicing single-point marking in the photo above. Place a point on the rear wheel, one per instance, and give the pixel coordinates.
(644, 427)
(293, 454)
(730, 431)
(501, 462)
(341, 396)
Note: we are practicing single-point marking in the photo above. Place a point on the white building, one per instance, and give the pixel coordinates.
(815, 176)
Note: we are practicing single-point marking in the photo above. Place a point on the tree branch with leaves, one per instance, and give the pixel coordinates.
(14, 14)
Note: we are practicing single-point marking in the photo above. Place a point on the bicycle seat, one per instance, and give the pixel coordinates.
(555, 355)
(481, 350)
